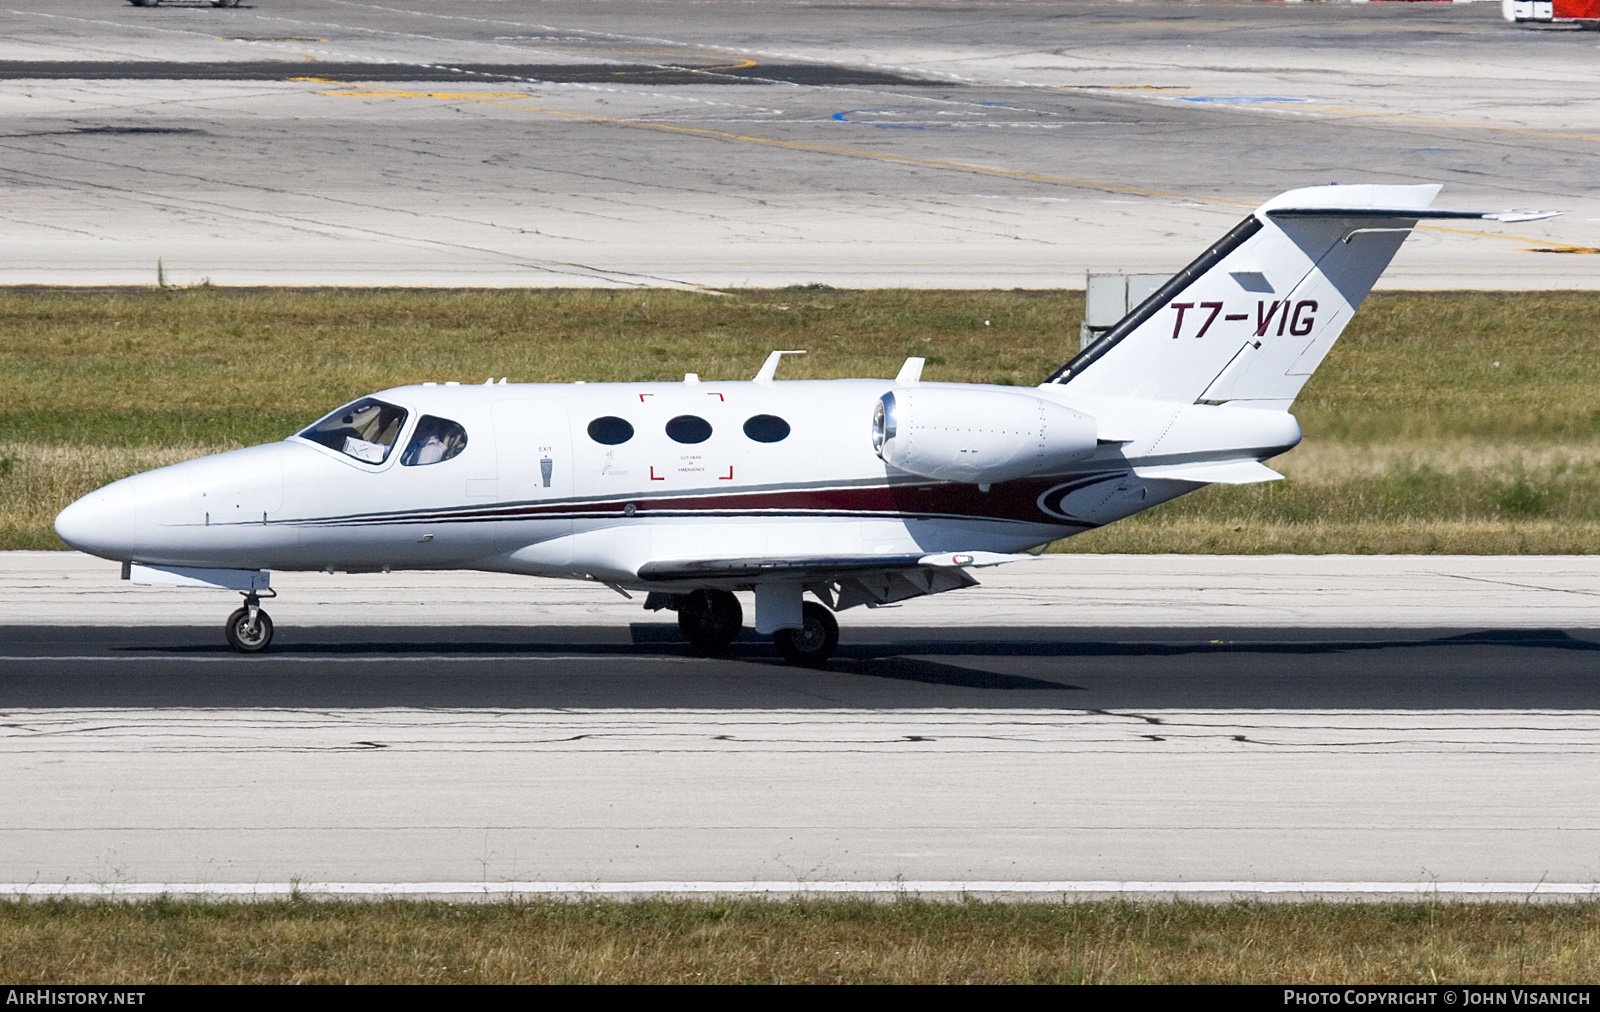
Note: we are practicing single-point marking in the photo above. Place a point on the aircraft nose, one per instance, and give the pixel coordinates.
(101, 523)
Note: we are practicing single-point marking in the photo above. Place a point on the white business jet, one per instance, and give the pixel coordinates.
(858, 491)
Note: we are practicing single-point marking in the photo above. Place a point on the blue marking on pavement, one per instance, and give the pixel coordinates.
(844, 117)
(1238, 99)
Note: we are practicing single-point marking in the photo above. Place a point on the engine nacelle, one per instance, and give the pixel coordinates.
(978, 436)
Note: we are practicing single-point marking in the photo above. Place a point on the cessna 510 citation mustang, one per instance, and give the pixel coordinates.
(858, 491)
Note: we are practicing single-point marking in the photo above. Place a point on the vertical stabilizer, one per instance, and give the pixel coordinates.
(1253, 317)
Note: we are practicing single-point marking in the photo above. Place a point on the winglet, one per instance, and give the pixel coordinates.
(911, 372)
(769, 368)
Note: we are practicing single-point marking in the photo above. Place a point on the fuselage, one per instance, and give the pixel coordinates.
(595, 480)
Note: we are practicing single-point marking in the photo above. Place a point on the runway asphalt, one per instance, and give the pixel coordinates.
(724, 143)
(594, 751)
(1079, 669)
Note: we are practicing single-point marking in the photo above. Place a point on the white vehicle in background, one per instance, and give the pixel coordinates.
(854, 491)
(1580, 12)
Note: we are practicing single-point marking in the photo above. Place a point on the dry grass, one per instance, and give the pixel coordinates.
(193, 352)
(1441, 422)
(1458, 498)
(1219, 535)
(37, 480)
(662, 941)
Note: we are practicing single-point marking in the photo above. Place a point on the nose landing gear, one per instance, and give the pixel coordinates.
(249, 629)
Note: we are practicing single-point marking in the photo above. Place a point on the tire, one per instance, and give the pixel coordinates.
(812, 643)
(240, 636)
(710, 619)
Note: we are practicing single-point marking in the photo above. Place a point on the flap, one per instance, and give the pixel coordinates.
(814, 567)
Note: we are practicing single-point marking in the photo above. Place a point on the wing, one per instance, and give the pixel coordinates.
(842, 581)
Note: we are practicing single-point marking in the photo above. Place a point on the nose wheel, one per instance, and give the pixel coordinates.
(815, 640)
(249, 629)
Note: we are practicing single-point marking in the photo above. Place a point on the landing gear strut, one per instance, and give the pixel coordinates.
(249, 629)
(710, 619)
(815, 640)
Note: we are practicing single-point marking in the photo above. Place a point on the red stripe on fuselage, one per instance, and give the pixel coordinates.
(1015, 501)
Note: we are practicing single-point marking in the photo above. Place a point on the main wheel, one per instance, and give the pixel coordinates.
(812, 643)
(710, 619)
(242, 637)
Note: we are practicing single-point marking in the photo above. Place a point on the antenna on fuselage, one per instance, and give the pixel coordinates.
(769, 368)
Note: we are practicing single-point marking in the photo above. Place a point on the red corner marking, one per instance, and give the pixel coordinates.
(643, 396)
(728, 476)
(653, 474)
(718, 397)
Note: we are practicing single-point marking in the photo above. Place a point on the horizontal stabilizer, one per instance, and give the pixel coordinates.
(1402, 212)
(1214, 472)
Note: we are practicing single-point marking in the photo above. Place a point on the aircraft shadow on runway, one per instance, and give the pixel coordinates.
(648, 666)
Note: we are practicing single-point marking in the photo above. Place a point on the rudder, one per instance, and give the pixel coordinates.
(1253, 317)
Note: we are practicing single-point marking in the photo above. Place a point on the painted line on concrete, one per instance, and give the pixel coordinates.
(890, 887)
(326, 659)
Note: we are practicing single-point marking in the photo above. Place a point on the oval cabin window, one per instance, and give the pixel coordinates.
(689, 429)
(610, 430)
(766, 428)
(435, 440)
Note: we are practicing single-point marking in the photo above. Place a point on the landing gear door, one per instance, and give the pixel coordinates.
(535, 448)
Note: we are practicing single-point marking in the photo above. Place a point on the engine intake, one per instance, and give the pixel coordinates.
(978, 436)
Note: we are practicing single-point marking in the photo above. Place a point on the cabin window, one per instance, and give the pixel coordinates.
(766, 428)
(689, 429)
(365, 430)
(435, 440)
(610, 430)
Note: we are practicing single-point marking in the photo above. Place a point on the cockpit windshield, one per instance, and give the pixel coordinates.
(365, 430)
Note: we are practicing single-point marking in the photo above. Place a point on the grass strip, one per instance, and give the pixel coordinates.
(1442, 422)
(798, 941)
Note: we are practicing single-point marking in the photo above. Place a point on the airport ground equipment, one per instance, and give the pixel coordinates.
(1585, 13)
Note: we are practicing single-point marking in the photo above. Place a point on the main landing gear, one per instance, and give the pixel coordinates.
(815, 640)
(249, 629)
(710, 619)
